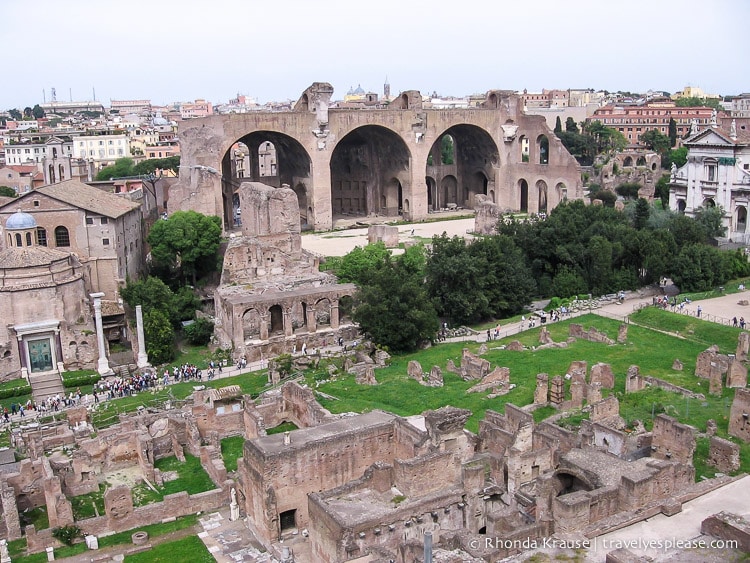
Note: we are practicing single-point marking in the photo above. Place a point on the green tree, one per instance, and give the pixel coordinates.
(486, 279)
(678, 156)
(672, 132)
(15, 114)
(447, 149)
(628, 190)
(700, 267)
(393, 309)
(661, 190)
(151, 165)
(711, 218)
(642, 213)
(37, 112)
(571, 126)
(27, 112)
(159, 336)
(199, 333)
(686, 231)
(7, 191)
(714, 103)
(558, 125)
(121, 168)
(567, 282)
(352, 267)
(607, 139)
(656, 141)
(187, 243)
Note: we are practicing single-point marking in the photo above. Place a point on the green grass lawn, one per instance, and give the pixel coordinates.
(83, 505)
(231, 451)
(651, 349)
(189, 549)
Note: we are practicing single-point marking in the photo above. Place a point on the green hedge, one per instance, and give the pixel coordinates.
(80, 378)
(17, 391)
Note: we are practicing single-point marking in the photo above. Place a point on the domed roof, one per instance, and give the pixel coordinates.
(20, 220)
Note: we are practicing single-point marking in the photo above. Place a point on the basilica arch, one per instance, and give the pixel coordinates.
(374, 160)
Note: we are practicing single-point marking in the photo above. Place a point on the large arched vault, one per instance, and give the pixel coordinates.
(369, 168)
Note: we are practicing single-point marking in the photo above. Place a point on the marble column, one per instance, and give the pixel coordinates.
(103, 364)
(142, 360)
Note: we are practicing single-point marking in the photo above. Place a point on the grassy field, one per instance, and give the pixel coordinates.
(650, 345)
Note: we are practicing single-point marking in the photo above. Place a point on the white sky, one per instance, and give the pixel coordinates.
(180, 50)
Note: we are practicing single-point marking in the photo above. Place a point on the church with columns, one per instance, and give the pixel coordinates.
(48, 321)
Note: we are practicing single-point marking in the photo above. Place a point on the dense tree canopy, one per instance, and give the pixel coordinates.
(7, 191)
(126, 167)
(485, 279)
(187, 243)
(392, 306)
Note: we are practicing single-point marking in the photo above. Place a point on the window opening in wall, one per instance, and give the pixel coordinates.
(288, 520)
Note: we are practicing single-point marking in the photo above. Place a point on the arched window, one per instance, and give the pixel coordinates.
(628, 161)
(28, 238)
(19, 240)
(543, 149)
(62, 237)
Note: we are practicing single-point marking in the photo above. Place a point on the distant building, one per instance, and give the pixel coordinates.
(717, 173)
(123, 107)
(634, 120)
(102, 229)
(21, 177)
(101, 150)
(72, 107)
(199, 108)
(545, 99)
(694, 92)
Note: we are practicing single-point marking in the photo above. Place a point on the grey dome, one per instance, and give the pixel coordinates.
(19, 221)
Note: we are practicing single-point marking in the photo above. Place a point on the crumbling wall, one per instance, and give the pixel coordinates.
(723, 454)
(672, 440)
(739, 415)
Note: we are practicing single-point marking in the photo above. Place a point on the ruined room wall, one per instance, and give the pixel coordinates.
(423, 475)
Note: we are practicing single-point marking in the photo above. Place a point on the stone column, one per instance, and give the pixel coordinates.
(335, 314)
(103, 364)
(288, 328)
(312, 323)
(142, 360)
(265, 319)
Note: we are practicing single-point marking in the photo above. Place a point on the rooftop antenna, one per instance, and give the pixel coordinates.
(70, 93)
(44, 96)
(93, 89)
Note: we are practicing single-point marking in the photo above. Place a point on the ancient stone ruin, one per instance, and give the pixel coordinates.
(272, 298)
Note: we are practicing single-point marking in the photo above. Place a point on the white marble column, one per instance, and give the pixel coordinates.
(142, 360)
(103, 364)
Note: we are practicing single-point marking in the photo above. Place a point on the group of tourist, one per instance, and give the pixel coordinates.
(186, 372)
(117, 387)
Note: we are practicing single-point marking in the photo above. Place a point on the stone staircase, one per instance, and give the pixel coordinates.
(44, 385)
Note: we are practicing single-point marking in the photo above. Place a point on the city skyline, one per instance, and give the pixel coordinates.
(170, 51)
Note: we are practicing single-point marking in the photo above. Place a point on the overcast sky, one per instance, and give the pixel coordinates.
(180, 50)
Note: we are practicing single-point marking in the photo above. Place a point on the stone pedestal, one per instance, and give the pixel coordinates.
(234, 511)
(92, 542)
(4, 555)
(50, 554)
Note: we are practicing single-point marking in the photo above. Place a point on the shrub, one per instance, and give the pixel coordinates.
(67, 534)
(10, 392)
(199, 333)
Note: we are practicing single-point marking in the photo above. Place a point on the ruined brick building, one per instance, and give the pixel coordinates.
(386, 162)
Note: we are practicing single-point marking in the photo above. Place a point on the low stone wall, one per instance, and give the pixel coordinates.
(176, 505)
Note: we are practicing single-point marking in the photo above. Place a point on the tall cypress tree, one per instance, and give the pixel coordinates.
(672, 132)
(558, 125)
